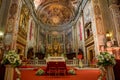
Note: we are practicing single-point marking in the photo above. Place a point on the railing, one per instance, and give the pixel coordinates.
(73, 62)
(36, 62)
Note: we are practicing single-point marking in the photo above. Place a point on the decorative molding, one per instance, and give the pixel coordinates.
(21, 49)
(21, 40)
(89, 41)
(90, 53)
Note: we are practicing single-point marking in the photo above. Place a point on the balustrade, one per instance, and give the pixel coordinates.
(72, 62)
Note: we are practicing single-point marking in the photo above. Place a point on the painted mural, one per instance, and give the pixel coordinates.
(55, 14)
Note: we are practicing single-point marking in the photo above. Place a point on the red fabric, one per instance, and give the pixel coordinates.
(56, 65)
(26, 67)
(79, 56)
(80, 75)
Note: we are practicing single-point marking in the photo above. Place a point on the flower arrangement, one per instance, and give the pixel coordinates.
(11, 58)
(105, 59)
(40, 72)
(71, 71)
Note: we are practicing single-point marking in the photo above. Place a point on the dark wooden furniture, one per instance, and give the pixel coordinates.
(51, 68)
(2, 72)
(117, 70)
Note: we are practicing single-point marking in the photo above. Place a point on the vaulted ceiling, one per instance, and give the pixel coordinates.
(54, 15)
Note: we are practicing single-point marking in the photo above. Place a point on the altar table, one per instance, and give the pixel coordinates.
(56, 67)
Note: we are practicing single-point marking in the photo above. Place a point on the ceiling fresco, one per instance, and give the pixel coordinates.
(55, 14)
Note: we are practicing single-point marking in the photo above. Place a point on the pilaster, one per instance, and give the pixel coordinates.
(98, 25)
(12, 23)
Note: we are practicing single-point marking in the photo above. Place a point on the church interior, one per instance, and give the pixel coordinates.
(60, 38)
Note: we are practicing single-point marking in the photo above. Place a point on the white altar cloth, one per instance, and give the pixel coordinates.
(56, 59)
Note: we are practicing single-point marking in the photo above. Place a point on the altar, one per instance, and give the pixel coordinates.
(56, 65)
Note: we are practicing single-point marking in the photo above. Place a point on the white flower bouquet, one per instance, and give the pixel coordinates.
(40, 72)
(11, 58)
(71, 71)
(105, 59)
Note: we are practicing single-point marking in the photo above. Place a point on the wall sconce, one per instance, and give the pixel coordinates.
(1, 35)
(108, 36)
(1, 39)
